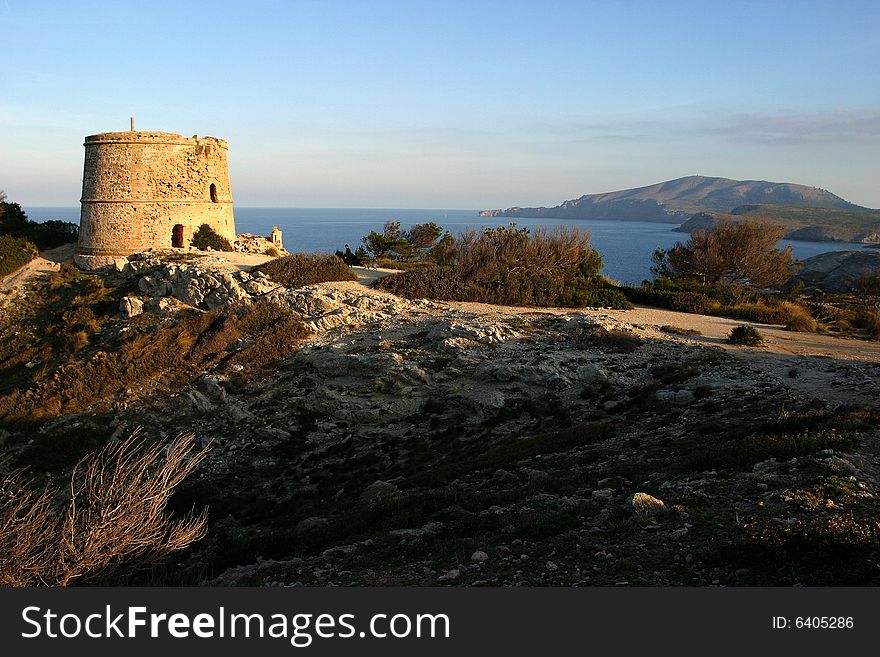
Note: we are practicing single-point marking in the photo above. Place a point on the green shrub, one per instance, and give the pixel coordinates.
(511, 266)
(682, 295)
(730, 253)
(745, 335)
(49, 234)
(692, 302)
(15, 252)
(589, 295)
(205, 238)
(388, 263)
(429, 282)
(306, 269)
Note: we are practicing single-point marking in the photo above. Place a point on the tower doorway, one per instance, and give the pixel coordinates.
(177, 236)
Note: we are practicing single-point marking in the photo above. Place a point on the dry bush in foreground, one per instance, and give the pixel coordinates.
(114, 518)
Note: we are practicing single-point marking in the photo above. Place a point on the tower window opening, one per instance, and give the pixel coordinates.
(177, 236)
(213, 193)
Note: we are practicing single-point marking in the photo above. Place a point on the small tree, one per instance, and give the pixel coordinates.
(380, 245)
(401, 245)
(13, 220)
(731, 253)
(423, 236)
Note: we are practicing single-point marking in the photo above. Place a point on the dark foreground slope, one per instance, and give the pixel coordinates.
(415, 443)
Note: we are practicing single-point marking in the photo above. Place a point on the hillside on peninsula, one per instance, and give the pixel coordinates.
(674, 201)
(801, 223)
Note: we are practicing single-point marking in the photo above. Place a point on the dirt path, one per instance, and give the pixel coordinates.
(713, 330)
(15, 285)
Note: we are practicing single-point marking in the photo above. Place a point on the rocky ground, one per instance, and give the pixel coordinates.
(423, 443)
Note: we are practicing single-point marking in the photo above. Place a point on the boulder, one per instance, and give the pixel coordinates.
(130, 307)
(837, 271)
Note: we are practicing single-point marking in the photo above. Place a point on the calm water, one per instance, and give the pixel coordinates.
(625, 246)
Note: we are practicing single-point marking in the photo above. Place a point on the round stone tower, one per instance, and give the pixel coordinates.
(146, 190)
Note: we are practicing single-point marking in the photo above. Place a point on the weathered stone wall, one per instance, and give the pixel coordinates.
(137, 186)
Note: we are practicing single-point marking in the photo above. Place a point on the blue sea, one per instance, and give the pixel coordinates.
(626, 246)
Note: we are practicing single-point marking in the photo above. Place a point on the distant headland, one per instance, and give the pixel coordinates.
(814, 214)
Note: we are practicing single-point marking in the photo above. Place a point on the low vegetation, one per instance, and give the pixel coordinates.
(67, 352)
(206, 238)
(15, 253)
(745, 335)
(110, 520)
(401, 246)
(507, 265)
(301, 269)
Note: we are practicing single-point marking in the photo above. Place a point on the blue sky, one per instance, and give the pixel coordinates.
(449, 104)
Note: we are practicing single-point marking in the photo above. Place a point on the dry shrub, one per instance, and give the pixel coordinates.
(785, 314)
(870, 322)
(113, 519)
(429, 282)
(511, 266)
(730, 253)
(593, 337)
(306, 269)
(799, 319)
(868, 289)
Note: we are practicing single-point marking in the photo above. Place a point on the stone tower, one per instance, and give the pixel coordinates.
(146, 190)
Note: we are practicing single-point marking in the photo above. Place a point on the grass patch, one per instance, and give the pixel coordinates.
(823, 550)
(677, 330)
(598, 337)
(672, 373)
